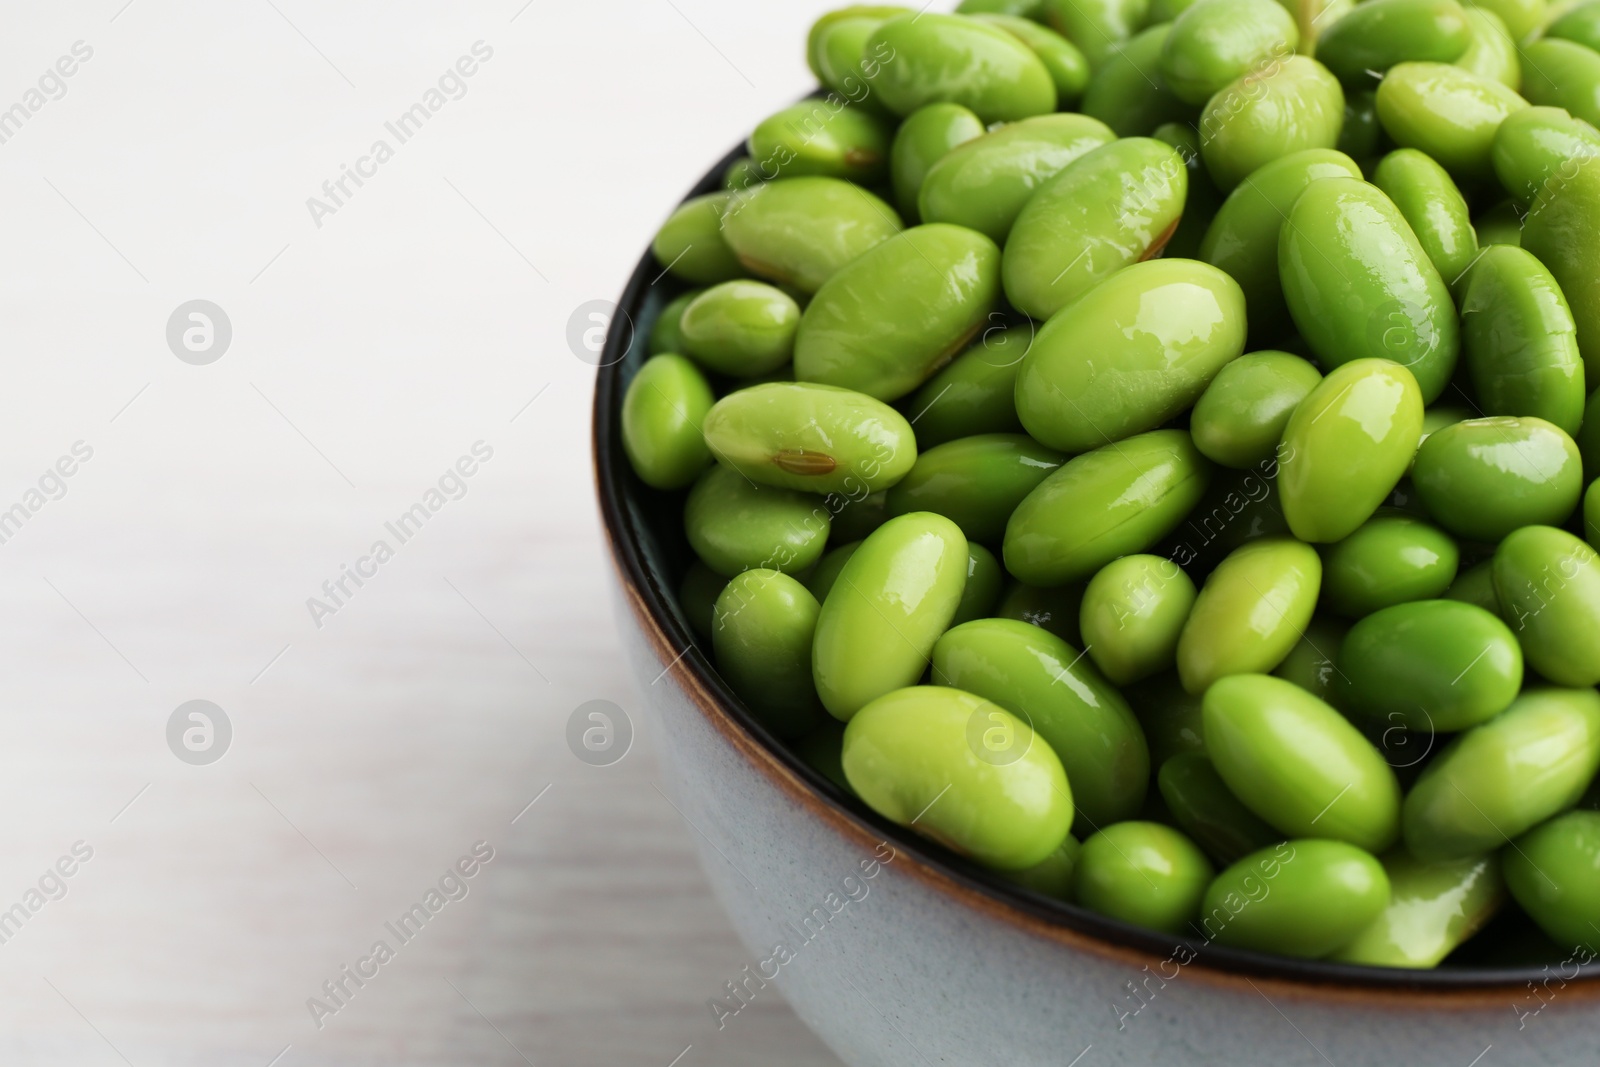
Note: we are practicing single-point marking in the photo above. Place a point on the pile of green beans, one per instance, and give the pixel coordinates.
(1150, 448)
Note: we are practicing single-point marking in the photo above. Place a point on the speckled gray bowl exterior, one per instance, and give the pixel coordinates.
(899, 955)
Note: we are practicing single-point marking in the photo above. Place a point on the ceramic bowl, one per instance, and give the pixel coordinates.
(898, 953)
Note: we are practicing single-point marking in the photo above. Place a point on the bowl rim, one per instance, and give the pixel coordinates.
(675, 646)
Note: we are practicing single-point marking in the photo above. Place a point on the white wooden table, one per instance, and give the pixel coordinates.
(372, 347)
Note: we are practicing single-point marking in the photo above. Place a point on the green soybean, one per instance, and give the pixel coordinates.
(1520, 341)
(1315, 17)
(1127, 91)
(1521, 17)
(984, 183)
(1096, 26)
(1050, 685)
(740, 328)
(1528, 468)
(665, 337)
(1239, 420)
(986, 580)
(1360, 285)
(816, 438)
(1433, 909)
(825, 138)
(1288, 105)
(1298, 764)
(1133, 613)
(1492, 53)
(1434, 209)
(690, 243)
(960, 60)
(1115, 205)
(1243, 238)
(976, 482)
(1449, 113)
(894, 597)
(1203, 199)
(1056, 610)
(1068, 66)
(1392, 559)
(1108, 366)
(1498, 780)
(799, 231)
(1560, 232)
(1250, 612)
(735, 525)
(1361, 136)
(1347, 446)
(886, 321)
(857, 515)
(910, 755)
(1111, 502)
(762, 630)
(1548, 585)
(1559, 73)
(1204, 808)
(1551, 873)
(975, 393)
(662, 413)
(837, 40)
(1431, 665)
(1215, 41)
(1539, 146)
(1313, 663)
(1143, 873)
(923, 139)
(1029, 9)
(1581, 25)
(1305, 898)
(1380, 34)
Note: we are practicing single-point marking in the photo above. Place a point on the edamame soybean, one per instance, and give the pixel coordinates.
(1559, 73)
(1203, 806)
(800, 231)
(1430, 666)
(1143, 873)
(1560, 231)
(740, 328)
(762, 628)
(1106, 367)
(1250, 612)
(815, 438)
(1434, 209)
(1548, 585)
(1502, 778)
(909, 756)
(886, 321)
(1113, 206)
(1529, 468)
(1520, 341)
(984, 183)
(1551, 872)
(985, 582)
(662, 413)
(892, 600)
(1359, 285)
(1449, 113)
(977, 482)
(1380, 34)
(1347, 446)
(1215, 41)
(665, 337)
(1313, 662)
(961, 60)
(1298, 764)
(1239, 420)
(1288, 105)
(735, 525)
(1111, 502)
(1068, 66)
(1306, 898)
(1392, 559)
(690, 244)
(1492, 53)
(1433, 908)
(1047, 683)
(976, 392)
(1096, 26)
(923, 139)
(825, 138)
(1127, 91)
(1133, 612)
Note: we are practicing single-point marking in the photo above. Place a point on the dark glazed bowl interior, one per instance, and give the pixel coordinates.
(645, 527)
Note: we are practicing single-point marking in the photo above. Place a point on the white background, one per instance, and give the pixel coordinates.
(367, 356)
